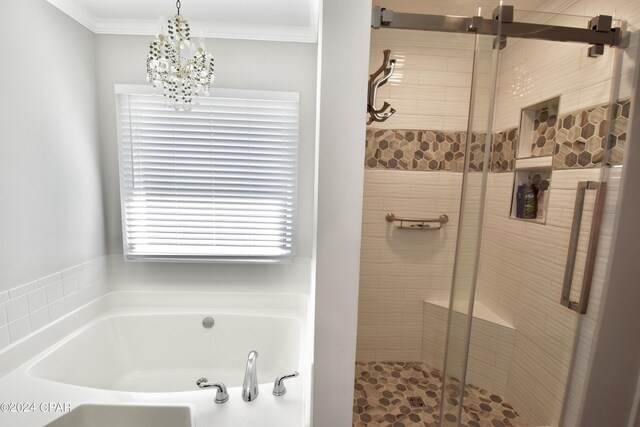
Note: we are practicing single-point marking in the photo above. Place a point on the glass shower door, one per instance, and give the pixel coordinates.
(554, 120)
(479, 136)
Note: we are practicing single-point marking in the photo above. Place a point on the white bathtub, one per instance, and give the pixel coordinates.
(150, 348)
(168, 352)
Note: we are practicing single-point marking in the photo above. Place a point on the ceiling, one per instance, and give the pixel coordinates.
(281, 20)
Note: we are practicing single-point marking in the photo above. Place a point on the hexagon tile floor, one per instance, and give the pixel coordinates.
(406, 394)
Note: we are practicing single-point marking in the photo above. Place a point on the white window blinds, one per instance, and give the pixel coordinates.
(216, 182)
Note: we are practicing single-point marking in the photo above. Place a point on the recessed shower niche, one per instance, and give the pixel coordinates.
(534, 161)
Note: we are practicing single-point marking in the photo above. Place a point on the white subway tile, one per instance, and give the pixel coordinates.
(16, 308)
(72, 271)
(52, 278)
(5, 339)
(71, 302)
(22, 290)
(37, 299)
(70, 284)
(4, 296)
(3, 315)
(54, 292)
(56, 309)
(39, 318)
(19, 328)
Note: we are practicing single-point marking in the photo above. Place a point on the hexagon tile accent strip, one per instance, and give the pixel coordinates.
(576, 140)
(581, 138)
(408, 394)
(618, 132)
(503, 151)
(544, 133)
(425, 150)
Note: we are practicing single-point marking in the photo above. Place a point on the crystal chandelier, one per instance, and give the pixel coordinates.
(180, 79)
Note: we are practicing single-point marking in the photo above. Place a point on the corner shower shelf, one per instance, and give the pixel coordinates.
(534, 163)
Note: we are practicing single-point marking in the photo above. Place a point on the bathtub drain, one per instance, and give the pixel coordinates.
(208, 322)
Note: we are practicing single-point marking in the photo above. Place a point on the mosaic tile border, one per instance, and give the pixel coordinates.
(544, 133)
(503, 152)
(423, 150)
(577, 140)
(581, 138)
(618, 132)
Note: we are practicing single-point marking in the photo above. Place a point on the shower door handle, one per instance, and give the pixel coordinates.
(580, 306)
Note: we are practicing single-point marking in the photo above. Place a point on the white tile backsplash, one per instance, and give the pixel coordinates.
(3, 315)
(22, 290)
(54, 292)
(56, 310)
(17, 308)
(37, 299)
(70, 284)
(52, 278)
(5, 340)
(19, 329)
(32, 306)
(71, 302)
(39, 318)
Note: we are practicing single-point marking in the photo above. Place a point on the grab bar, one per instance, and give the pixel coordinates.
(418, 223)
(580, 307)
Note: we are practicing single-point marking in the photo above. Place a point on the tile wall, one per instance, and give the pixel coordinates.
(431, 86)
(576, 140)
(29, 307)
(399, 269)
(521, 273)
(491, 345)
(522, 264)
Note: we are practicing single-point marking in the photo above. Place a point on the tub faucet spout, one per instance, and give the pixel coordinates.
(250, 384)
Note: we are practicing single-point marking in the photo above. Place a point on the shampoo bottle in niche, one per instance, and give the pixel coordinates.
(530, 198)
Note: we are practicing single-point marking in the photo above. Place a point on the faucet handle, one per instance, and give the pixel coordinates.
(221, 390)
(278, 386)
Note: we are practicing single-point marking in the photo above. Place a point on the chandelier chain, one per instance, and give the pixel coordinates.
(178, 5)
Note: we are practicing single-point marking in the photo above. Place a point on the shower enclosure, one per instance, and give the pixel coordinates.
(512, 125)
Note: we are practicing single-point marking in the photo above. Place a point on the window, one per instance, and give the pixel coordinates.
(214, 183)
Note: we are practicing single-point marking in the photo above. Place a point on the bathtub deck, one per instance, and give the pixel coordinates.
(407, 394)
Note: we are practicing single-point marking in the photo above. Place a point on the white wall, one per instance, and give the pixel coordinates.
(343, 56)
(238, 64)
(51, 210)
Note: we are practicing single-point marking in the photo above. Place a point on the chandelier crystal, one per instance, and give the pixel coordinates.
(180, 79)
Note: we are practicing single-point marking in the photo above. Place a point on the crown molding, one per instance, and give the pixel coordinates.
(76, 12)
(266, 32)
(212, 30)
